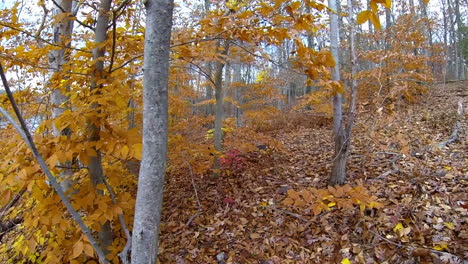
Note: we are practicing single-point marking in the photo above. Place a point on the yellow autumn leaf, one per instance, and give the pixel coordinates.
(77, 250)
(441, 246)
(387, 4)
(346, 261)
(374, 18)
(363, 16)
(449, 225)
(331, 204)
(88, 250)
(137, 151)
(398, 227)
(124, 152)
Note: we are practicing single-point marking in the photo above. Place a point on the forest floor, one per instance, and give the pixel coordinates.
(422, 186)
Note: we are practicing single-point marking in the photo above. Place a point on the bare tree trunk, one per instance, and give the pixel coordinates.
(371, 30)
(446, 54)
(57, 58)
(155, 125)
(219, 110)
(238, 91)
(388, 46)
(338, 170)
(95, 170)
(209, 110)
(452, 21)
(227, 83)
(426, 50)
(411, 2)
(460, 62)
(341, 132)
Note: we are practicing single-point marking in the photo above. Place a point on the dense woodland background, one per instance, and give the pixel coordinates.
(295, 131)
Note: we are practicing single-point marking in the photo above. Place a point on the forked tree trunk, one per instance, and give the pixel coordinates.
(155, 124)
(95, 170)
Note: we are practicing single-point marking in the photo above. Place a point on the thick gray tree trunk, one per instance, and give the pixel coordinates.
(155, 124)
(95, 170)
(57, 58)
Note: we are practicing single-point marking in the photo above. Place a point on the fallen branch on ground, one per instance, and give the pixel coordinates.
(456, 127)
(199, 210)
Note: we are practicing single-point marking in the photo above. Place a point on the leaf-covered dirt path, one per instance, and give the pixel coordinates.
(397, 157)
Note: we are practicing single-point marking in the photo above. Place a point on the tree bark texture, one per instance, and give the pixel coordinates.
(341, 132)
(57, 58)
(219, 95)
(95, 170)
(338, 173)
(155, 124)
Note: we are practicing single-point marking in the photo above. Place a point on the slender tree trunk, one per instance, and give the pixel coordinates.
(453, 37)
(57, 58)
(226, 84)
(341, 131)
(209, 110)
(155, 125)
(238, 91)
(370, 41)
(338, 170)
(426, 50)
(411, 3)
(219, 110)
(371, 30)
(94, 123)
(388, 46)
(460, 61)
(310, 45)
(446, 59)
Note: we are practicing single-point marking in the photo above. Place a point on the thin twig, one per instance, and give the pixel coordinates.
(125, 252)
(71, 167)
(298, 216)
(12, 202)
(36, 65)
(454, 136)
(199, 211)
(127, 62)
(41, 26)
(399, 245)
(41, 39)
(116, 13)
(78, 21)
(114, 37)
(277, 64)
